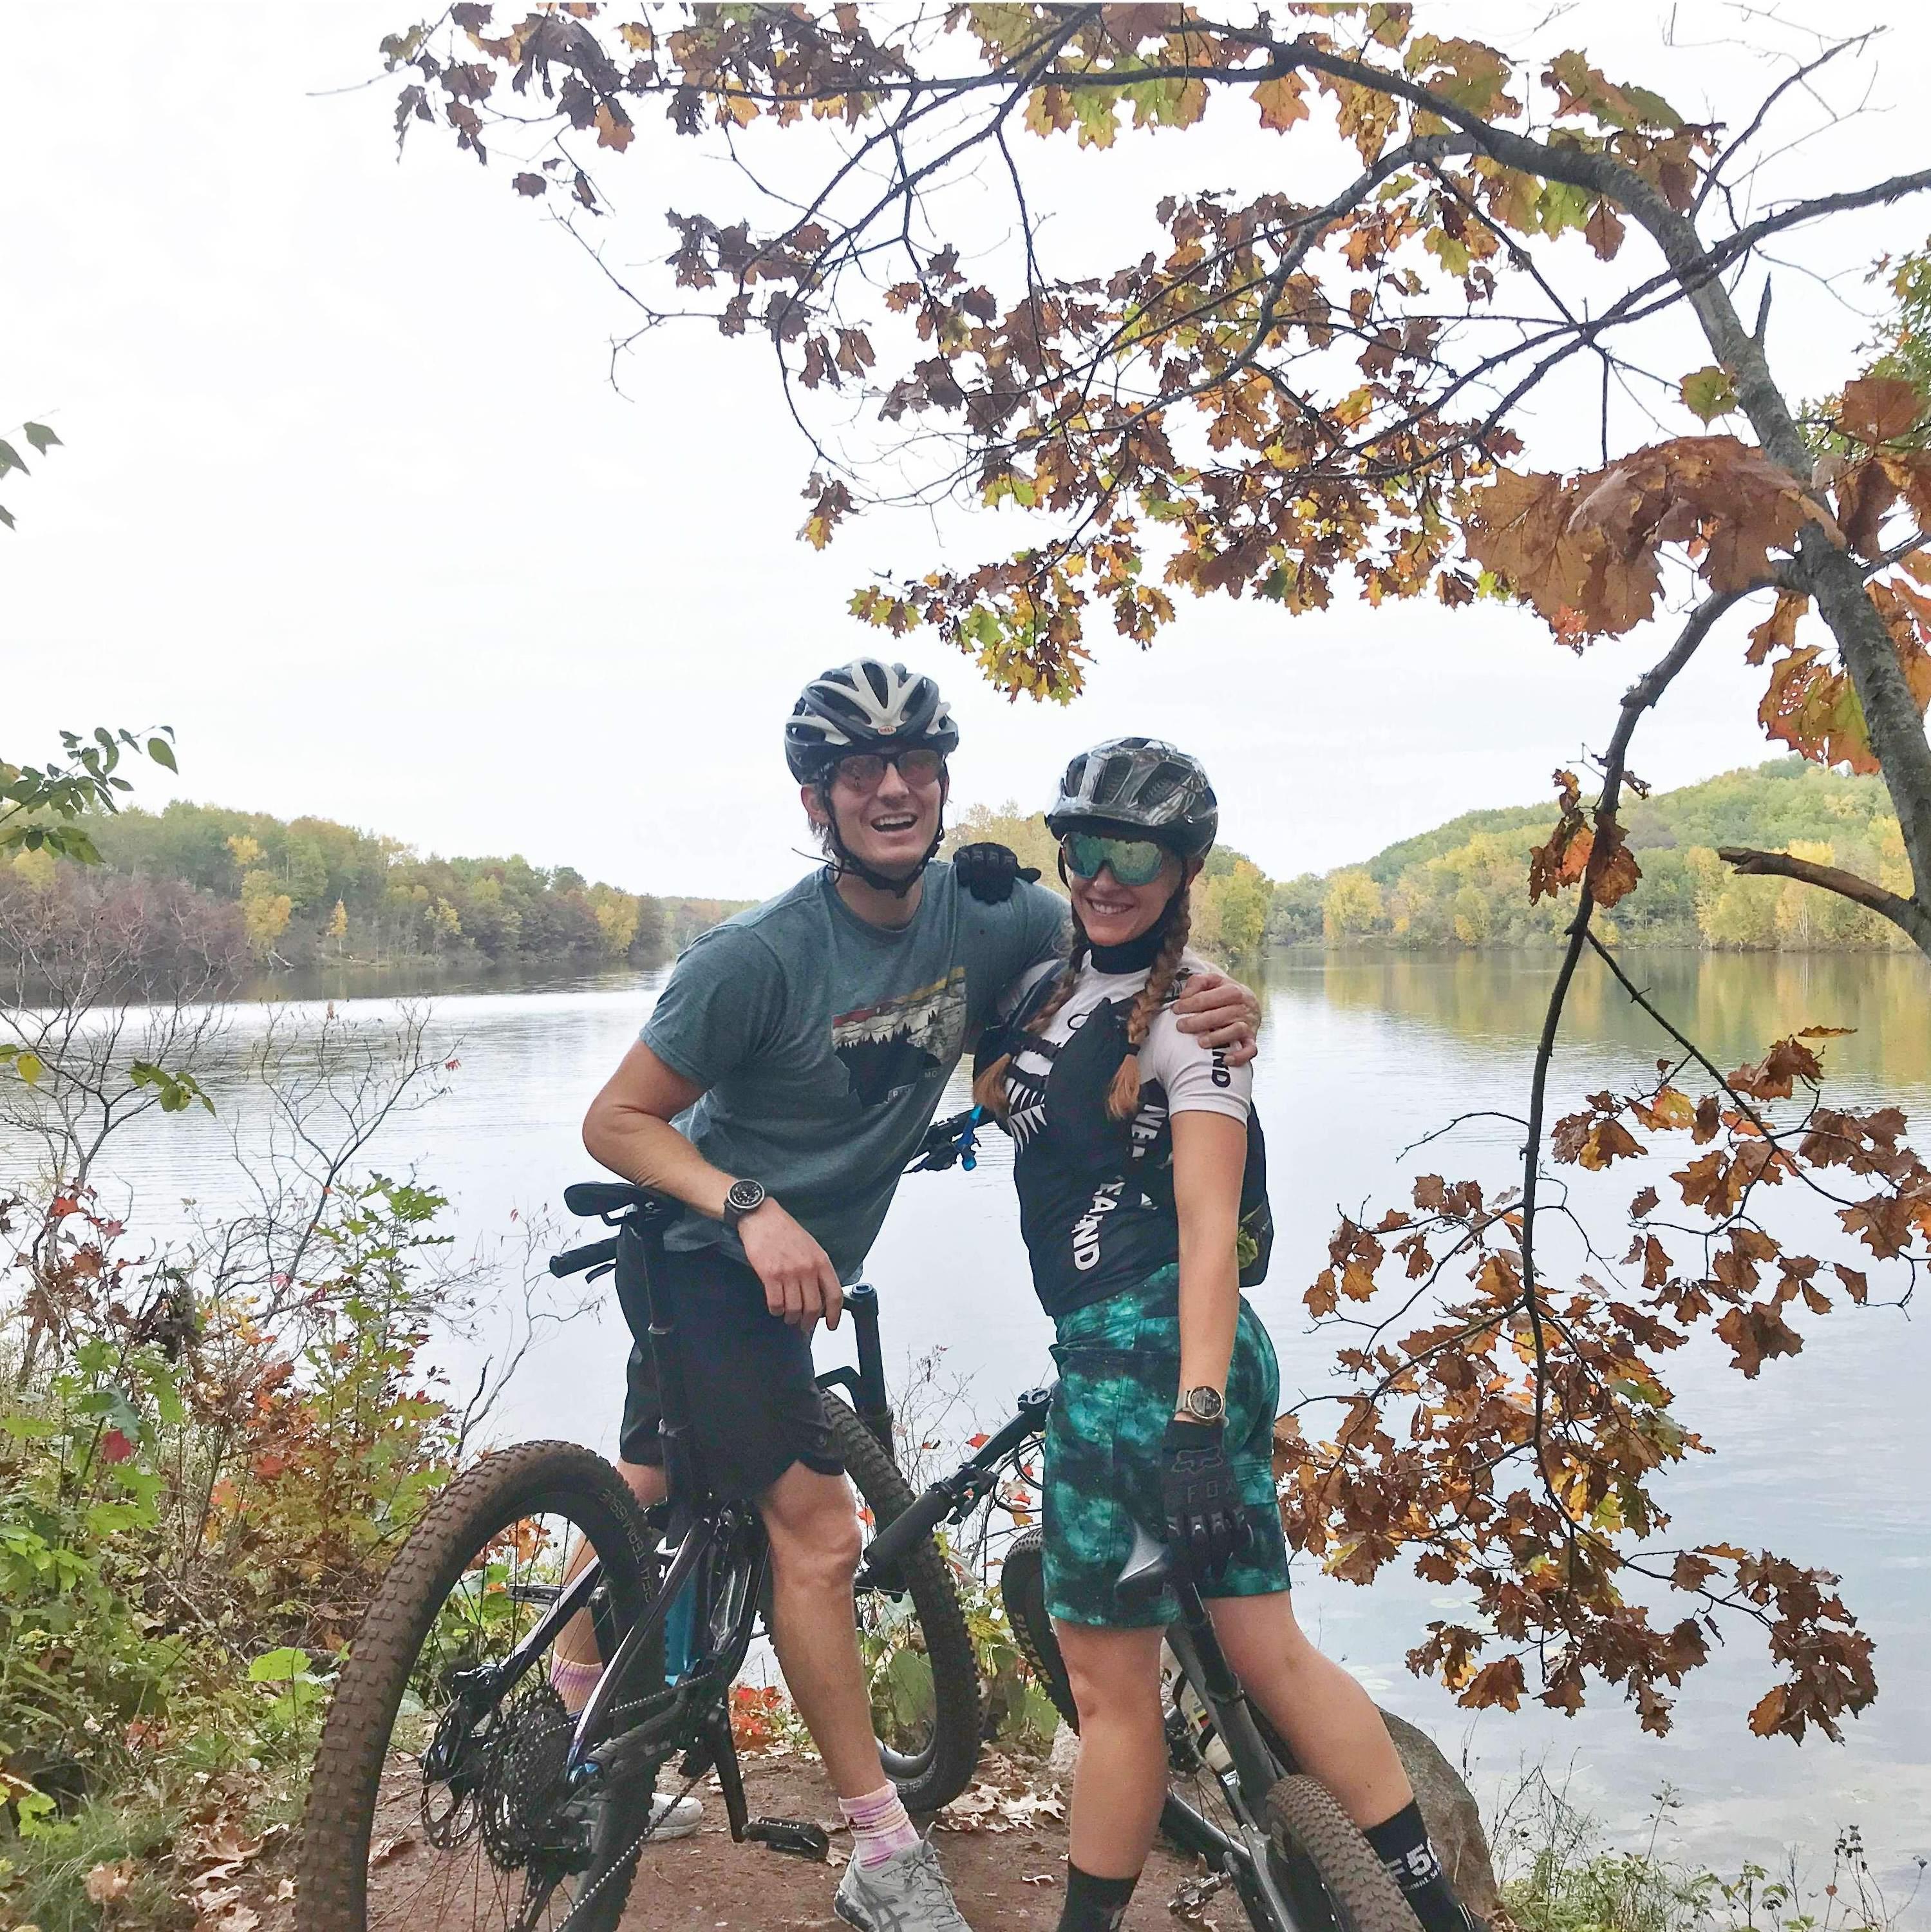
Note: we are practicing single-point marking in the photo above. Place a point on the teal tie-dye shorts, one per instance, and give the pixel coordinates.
(1120, 1365)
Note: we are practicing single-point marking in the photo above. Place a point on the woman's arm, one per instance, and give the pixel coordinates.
(1210, 1155)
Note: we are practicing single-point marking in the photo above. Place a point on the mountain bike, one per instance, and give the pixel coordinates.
(1236, 1798)
(453, 1789)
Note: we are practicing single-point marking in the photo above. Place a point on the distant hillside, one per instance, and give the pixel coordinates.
(300, 890)
(1464, 883)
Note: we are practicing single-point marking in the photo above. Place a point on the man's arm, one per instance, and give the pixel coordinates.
(1221, 1012)
(628, 1130)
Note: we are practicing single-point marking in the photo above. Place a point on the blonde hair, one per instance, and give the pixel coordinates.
(1122, 1097)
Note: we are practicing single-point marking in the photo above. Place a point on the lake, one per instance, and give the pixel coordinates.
(1825, 1458)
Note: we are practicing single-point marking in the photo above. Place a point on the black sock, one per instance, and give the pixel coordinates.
(1094, 1904)
(1402, 1844)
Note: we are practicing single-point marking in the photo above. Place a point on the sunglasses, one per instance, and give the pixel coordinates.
(1133, 861)
(864, 771)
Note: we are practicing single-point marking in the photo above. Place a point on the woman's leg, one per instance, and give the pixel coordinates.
(1121, 1779)
(1331, 1725)
(1329, 1721)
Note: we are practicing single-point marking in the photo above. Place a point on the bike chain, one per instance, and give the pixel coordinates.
(630, 1857)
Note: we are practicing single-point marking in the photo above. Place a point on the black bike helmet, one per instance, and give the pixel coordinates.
(1141, 786)
(864, 706)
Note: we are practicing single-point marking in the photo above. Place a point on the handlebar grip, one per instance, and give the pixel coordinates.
(575, 1261)
(898, 1536)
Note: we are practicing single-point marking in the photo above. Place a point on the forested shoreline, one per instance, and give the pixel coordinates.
(203, 895)
(1464, 885)
(195, 891)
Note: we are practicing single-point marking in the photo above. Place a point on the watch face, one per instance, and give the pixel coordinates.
(1206, 1404)
(745, 1194)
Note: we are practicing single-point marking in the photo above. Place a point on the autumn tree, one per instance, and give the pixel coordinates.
(1320, 384)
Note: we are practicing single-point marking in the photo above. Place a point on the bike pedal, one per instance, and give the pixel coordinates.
(798, 1836)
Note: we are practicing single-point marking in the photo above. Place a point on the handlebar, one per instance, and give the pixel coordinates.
(947, 1140)
(575, 1261)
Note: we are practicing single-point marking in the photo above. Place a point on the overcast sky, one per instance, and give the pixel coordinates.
(347, 496)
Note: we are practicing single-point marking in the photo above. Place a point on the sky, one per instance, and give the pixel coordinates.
(346, 495)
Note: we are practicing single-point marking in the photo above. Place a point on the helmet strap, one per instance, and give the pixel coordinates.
(844, 860)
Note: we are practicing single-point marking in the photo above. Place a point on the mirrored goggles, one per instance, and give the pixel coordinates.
(864, 771)
(1133, 861)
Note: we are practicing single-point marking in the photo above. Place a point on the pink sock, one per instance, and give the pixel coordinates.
(574, 1682)
(880, 1826)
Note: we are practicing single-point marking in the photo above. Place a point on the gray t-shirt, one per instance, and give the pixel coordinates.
(823, 1044)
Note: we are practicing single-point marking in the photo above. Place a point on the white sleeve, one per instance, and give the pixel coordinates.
(1196, 1079)
(1008, 1002)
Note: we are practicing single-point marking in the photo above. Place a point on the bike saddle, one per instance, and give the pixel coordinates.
(1149, 1565)
(611, 1197)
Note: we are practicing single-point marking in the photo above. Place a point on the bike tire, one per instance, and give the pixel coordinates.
(1308, 1824)
(934, 1776)
(558, 1478)
(1022, 1588)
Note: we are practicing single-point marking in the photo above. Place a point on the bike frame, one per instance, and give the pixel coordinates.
(716, 1552)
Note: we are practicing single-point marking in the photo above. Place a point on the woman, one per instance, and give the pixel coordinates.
(1140, 1202)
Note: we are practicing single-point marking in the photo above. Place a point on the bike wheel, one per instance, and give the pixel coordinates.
(487, 1838)
(1022, 1587)
(1310, 1829)
(916, 1647)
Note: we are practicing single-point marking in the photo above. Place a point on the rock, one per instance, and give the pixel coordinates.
(1454, 1819)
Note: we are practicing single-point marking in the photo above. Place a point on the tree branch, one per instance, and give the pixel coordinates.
(1902, 912)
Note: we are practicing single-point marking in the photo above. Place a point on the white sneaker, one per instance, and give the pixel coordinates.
(907, 1893)
(674, 1818)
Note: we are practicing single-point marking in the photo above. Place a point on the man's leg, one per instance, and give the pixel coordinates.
(813, 1524)
(893, 1882)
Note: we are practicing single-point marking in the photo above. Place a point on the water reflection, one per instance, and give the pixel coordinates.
(1732, 1004)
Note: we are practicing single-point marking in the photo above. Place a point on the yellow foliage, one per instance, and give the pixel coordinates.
(35, 868)
(264, 911)
(1353, 905)
(616, 918)
(246, 850)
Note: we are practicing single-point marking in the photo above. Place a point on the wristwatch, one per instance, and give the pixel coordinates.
(1200, 1405)
(746, 1197)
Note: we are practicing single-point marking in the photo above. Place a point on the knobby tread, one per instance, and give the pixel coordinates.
(1022, 1587)
(942, 1621)
(564, 1477)
(1363, 1897)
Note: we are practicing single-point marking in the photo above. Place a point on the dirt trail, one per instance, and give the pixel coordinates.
(707, 1884)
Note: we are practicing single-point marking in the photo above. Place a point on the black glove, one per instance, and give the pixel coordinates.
(988, 870)
(1206, 1522)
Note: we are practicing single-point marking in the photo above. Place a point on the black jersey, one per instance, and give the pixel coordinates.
(1096, 1195)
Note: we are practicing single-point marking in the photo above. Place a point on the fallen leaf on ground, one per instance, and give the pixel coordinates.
(107, 1882)
(389, 1848)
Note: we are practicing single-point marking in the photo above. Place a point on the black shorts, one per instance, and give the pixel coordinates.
(748, 1377)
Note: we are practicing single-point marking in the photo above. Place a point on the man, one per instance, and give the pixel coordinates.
(789, 1071)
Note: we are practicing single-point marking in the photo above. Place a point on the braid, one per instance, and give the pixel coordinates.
(1123, 1098)
(988, 1090)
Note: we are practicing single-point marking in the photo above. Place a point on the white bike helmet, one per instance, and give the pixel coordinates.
(864, 706)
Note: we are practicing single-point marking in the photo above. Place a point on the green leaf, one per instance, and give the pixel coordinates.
(29, 1067)
(162, 752)
(1709, 393)
(6, 516)
(39, 435)
(278, 1666)
(10, 458)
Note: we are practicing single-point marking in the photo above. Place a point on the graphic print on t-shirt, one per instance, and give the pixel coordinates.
(889, 1047)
